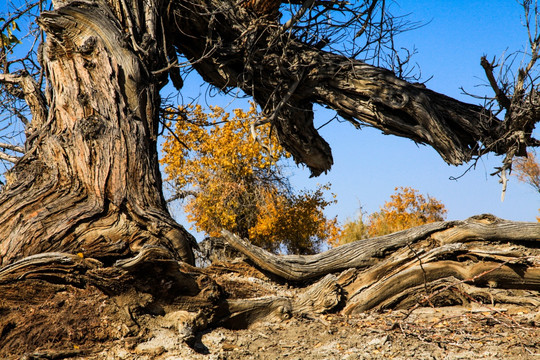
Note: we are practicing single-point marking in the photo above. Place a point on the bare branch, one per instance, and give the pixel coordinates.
(16, 148)
(182, 194)
(10, 158)
(500, 95)
(30, 92)
(305, 6)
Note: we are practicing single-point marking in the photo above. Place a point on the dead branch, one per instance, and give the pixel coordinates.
(364, 253)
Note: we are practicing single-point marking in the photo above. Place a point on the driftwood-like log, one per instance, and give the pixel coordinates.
(365, 253)
(359, 254)
(405, 267)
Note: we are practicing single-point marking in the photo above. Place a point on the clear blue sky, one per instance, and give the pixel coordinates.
(369, 165)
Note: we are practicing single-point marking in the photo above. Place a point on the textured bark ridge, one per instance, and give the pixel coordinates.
(286, 77)
(90, 181)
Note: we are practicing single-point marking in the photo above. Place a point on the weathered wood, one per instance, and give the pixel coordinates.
(388, 290)
(90, 180)
(286, 77)
(365, 253)
(60, 267)
(321, 297)
(407, 266)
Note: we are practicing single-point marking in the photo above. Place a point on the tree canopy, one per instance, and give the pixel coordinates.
(232, 177)
(406, 209)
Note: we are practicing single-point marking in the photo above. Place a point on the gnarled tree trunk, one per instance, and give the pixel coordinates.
(89, 181)
(83, 219)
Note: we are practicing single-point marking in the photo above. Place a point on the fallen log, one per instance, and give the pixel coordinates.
(367, 253)
(397, 270)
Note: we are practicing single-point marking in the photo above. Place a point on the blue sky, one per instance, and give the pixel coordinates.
(369, 165)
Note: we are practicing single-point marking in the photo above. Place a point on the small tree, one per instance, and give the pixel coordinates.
(527, 170)
(231, 177)
(406, 209)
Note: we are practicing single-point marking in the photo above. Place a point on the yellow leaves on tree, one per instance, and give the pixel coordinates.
(527, 170)
(231, 178)
(406, 209)
(296, 221)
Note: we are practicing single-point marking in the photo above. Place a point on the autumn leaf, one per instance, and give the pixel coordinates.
(407, 208)
(232, 178)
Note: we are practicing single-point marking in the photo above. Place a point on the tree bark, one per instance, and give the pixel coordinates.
(83, 221)
(397, 270)
(90, 181)
(363, 254)
(286, 77)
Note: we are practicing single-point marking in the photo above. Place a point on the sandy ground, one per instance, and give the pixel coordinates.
(425, 333)
(86, 324)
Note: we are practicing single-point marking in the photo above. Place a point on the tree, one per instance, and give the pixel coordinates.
(232, 178)
(406, 209)
(83, 211)
(67, 165)
(527, 170)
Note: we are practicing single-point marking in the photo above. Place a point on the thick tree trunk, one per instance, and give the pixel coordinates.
(90, 181)
(86, 241)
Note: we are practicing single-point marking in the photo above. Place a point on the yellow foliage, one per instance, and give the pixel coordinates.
(527, 170)
(233, 172)
(406, 209)
(351, 231)
(297, 221)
